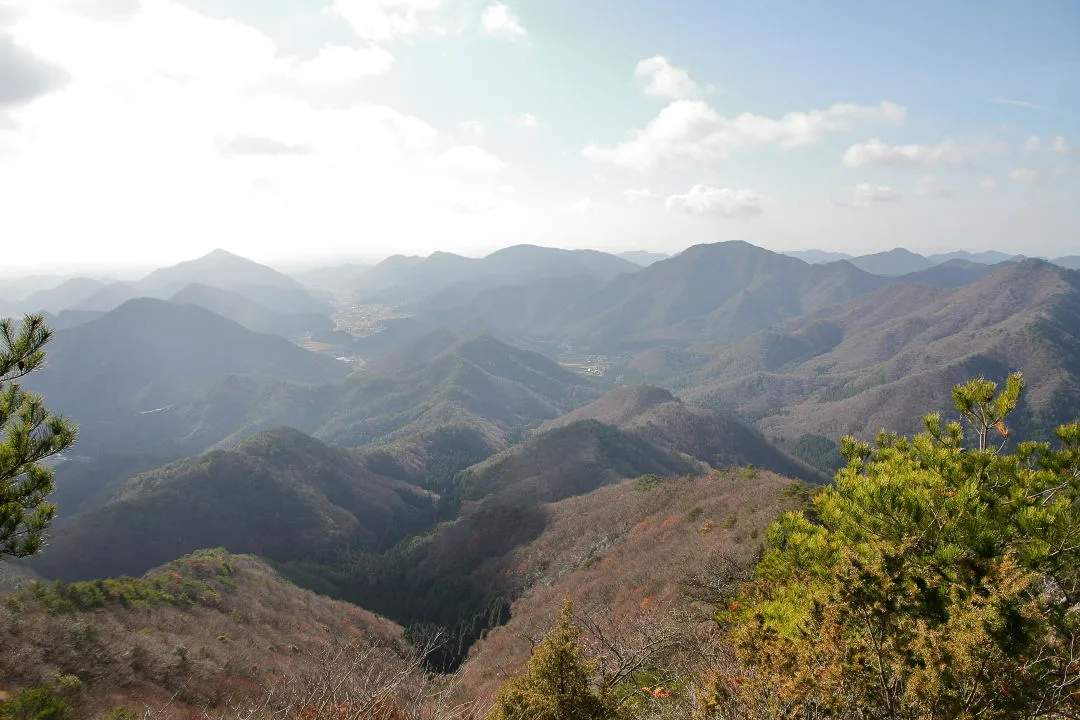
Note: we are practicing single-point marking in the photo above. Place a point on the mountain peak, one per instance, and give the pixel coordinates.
(221, 252)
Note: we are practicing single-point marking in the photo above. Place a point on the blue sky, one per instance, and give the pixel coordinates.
(154, 130)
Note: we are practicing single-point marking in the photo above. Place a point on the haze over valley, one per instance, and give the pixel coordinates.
(438, 360)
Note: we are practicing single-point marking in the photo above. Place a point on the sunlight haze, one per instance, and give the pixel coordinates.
(151, 131)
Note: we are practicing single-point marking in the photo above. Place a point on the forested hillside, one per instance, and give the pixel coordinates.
(456, 483)
(209, 632)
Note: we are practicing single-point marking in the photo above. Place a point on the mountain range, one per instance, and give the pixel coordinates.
(280, 494)
(219, 269)
(883, 359)
(457, 442)
(405, 279)
(148, 355)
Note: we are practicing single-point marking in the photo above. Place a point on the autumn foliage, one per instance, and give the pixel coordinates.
(939, 578)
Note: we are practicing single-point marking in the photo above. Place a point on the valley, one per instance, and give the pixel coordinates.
(441, 463)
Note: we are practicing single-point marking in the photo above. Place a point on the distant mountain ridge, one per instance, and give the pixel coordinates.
(631, 431)
(279, 494)
(882, 359)
(402, 279)
(901, 261)
(715, 292)
(150, 354)
(252, 315)
(892, 263)
(643, 258)
(218, 269)
(476, 382)
(654, 415)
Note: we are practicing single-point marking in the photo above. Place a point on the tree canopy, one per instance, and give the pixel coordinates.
(938, 578)
(29, 434)
(557, 683)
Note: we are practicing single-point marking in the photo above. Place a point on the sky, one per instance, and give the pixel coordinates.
(152, 131)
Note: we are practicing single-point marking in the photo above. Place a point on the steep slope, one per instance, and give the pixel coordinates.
(708, 293)
(950, 274)
(458, 576)
(892, 263)
(66, 319)
(656, 417)
(535, 309)
(250, 314)
(537, 262)
(150, 354)
(279, 494)
(571, 459)
(18, 286)
(480, 383)
(716, 292)
(111, 297)
(988, 257)
(897, 352)
(633, 558)
(218, 269)
(70, 293)
(336, 279)
(817, 257)
(206, 631)
(411, 280)
(643, 258)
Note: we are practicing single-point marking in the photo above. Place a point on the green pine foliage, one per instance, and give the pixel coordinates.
(557, 682)
(939, 577)
(197, 579)
(29, 435)
(45, 702)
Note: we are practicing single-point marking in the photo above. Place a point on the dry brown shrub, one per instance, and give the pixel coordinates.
(641, 574)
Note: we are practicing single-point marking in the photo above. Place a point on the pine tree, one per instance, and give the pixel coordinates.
(940, 579)
(557, 682)
(30, 434)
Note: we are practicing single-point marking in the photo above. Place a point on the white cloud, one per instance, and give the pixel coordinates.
(472, 127)
(876, 152)
(25, 77)
(705, 200)
(689, 131)
(580, 207)
(499, 21)
(636, 196)
(1019, 103)
(382, 20)
(525, 120)
(1032, 145)
(471, 203)
(470, 158)
(337, 64)
(664, 80)
(1060, 145)
(867, 195)
(258, 145)
(164, 103)
(928, 185)
(1024, 175)
(988, 183)
(159, 35)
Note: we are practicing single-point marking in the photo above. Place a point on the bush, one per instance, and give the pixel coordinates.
(937, 578)
(646, 483)
(197, 579)
(46, 702)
